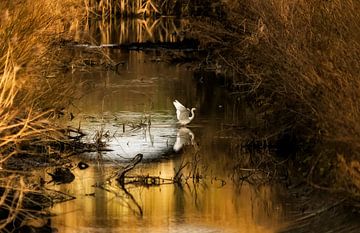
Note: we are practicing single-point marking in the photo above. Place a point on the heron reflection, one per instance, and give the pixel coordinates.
(184, 137)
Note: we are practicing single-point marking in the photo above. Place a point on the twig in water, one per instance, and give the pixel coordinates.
(121, 174)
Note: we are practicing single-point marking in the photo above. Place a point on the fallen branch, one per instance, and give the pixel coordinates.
(121, 174)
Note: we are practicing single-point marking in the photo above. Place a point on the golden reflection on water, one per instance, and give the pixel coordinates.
(207, 206)
(202, 207)
(120, 31)
(141, 85)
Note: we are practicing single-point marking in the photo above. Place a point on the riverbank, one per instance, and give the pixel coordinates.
(297, 63)
(34, 93)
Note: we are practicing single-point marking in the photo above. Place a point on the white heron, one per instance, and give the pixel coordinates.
(183, 114)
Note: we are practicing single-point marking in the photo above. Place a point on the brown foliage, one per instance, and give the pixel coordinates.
(31, 95)
(299, 59)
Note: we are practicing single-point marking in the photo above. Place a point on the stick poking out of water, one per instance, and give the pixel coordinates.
(121, 174)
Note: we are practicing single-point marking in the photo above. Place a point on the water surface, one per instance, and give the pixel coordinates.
(133, 109)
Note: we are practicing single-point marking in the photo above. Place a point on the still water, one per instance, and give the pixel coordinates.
(131, 112)
(133, 108)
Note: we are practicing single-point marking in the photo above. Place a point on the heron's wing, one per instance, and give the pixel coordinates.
(178, 105)
(182, 113)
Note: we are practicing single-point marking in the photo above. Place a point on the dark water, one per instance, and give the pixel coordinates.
(133, 111)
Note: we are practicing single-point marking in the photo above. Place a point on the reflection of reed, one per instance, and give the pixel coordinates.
(114, 31)
(123, 8)
(23, 201)
(11, 199)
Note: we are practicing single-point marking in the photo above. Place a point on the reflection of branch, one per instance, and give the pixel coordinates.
(120, 177)
(59, 196)
(128, 194)
(132, 198)
(177, 177)
(121, 174)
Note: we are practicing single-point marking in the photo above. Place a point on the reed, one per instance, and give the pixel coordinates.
(27, 31)
(124, 8)
(151, 8)
(298, 62)
(31, 99)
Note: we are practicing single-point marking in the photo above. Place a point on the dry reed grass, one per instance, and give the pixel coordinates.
(151, 8)
(123, 8)
(31, 97)
(27, 99)
(299, 60)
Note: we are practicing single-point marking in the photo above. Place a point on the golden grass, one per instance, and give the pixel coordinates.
(31, 96)
(7, 85)
(27, 30)
(299, 60)
(148, 8)
(349, 175)
(124, 8)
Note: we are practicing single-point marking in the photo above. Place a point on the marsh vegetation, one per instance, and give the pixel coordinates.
(297, 61)
(294, 65)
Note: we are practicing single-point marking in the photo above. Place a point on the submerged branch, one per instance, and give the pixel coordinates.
(121, 174)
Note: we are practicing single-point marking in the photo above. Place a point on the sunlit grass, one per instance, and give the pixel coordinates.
(150, 8)
(30, 101)
(26, 33)
(124, 8)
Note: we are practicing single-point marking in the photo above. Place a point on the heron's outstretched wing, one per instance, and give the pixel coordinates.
(182, 113)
